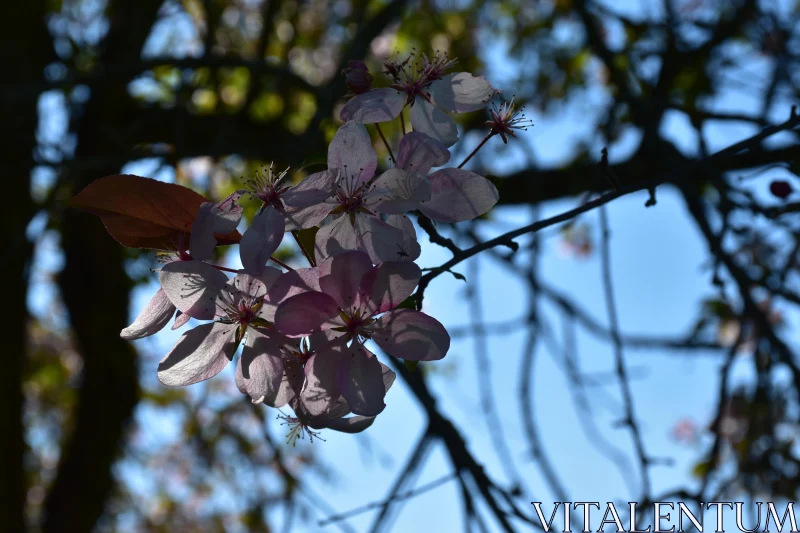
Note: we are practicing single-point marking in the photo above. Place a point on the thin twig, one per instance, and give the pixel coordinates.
(475, 151)
(622, 373)
(386, 144)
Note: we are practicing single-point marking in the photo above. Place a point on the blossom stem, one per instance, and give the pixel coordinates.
(303, 249)
(475, 151)
(281, 263)
(225, 269)
(386, 143)
(402, 122)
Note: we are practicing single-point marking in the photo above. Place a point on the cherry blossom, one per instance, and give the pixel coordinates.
(307, 422)
(447, 195)
(241, 306)
(348, 195)
(359, 302)
(505, 118)
(424, 85)
(219, 218)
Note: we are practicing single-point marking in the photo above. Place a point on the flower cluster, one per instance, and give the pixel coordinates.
(304, 332)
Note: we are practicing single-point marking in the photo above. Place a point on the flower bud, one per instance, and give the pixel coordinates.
(359, 80)
(781, 188)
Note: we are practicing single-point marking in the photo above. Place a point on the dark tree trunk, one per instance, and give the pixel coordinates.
(95, 288)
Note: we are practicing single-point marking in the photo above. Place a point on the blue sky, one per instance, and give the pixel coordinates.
(660, 278)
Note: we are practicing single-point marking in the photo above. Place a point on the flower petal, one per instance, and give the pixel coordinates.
(381, 241)
(462, 92)
(420, 152)
(193, 287)
(155, 315)
(410, 249)
(340, 276)
(180, 320)
(259, 370)
(389, 284)
(220, 218)
(388, 377)
(269, 276)
(351, 424)
(361, 381)
(261, 240)
(380, 105)
(405, 190)
(314, 189)
(351, 150)
(433, 122)
(246, 284)
(335, 237)
(306, 217)
(200, 353)
(458, 195)
(228, 213)
(322, 387)
(202, 240)
(412, 335)
(365, 232)
(305, 313)
(293, 282)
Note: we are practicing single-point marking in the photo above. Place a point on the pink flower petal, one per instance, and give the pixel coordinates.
(380, 105)
(421, 152)
(462, 92)
(259, 370)
(222, 217)
(313, 190)
(193, 287)
(180, 320)
(340, 276)
(305, 313)
(410, 249)
(458, 195)
(246, 285)
(200, 353)
(405, 190)
(306, 217)
(202, 240)
(351, 424)
(361, 381)
(351, 150)
(228, 213)
(378, 239)
(294, 282)
(412, 336)
(261, 240)
(389, 284)
(322, 388)
(433, 122)
(152, 319)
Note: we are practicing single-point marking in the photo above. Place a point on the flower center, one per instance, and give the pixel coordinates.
(266, 186)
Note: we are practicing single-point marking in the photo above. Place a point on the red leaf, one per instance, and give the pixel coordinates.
(144, 213)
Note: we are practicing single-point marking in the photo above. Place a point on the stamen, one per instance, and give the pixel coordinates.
(298, 430)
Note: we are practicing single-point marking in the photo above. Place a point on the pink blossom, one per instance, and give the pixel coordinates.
(447, 195)
(423, 85)
(357, 301)
(309, 419)
(221, 218)
(242, 306)
(347, 193)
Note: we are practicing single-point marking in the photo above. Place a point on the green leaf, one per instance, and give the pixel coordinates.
(306, 239)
